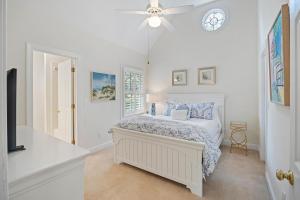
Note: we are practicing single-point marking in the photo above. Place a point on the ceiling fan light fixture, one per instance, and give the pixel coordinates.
(154, 21)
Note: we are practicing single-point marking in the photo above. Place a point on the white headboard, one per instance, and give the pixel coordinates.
(218, 99)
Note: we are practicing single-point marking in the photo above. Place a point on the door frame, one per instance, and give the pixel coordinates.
(30, 48)
(295, 107)
(264, 77)
(3, 145)
(294, 87)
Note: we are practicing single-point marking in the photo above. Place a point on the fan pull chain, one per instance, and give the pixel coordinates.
(148, 46)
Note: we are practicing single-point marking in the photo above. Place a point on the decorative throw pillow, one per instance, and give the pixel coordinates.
(168, 108)
(179, 115)
(202, 111)
(186, 107)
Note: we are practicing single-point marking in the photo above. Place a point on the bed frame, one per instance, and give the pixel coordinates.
(175, 159)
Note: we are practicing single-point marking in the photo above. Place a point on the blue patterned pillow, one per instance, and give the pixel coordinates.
(184, 106)
(202, 111)
(168, 108)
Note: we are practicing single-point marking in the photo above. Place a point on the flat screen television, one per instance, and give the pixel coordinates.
(12, 112)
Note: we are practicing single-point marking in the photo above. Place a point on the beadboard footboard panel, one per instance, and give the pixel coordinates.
(172, 158)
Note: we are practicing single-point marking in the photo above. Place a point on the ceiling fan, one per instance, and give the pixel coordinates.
(155, 14)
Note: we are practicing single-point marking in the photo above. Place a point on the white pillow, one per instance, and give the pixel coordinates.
(216, 115)
(179, 115)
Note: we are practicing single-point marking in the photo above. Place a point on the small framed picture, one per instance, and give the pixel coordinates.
(179, 78)
(207, 76)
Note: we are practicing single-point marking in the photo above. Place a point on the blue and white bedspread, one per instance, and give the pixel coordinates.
(148, 124)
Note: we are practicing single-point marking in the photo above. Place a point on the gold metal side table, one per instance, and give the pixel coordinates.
(238, 136)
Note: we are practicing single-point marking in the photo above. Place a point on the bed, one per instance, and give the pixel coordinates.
(176, 159)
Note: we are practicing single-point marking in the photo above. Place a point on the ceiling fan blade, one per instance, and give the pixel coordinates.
(202, 2)
(154, 3)
(143, 24)
(167, 24)
(135, 12)
(177, 10)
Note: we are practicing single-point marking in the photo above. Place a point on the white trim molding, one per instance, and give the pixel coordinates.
(100, 147)
(255, 147)
(269, 184)
(3, 144)
(263, 101)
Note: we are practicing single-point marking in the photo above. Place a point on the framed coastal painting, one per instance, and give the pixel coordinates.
(179, 78)
(279, 58)
(207, 76)
(103, 86)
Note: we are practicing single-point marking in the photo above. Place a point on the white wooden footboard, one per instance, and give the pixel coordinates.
(175, 159)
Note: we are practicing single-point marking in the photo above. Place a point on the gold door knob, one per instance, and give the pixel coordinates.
(281, 175)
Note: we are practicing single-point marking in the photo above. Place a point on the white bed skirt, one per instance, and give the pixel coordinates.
(175, 159)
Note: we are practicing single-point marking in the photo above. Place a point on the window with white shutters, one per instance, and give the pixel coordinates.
(133, 91)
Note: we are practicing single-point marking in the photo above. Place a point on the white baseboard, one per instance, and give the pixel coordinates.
(255, 147)
(269, 183)
(100, 147)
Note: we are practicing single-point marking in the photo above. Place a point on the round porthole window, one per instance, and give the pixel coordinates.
(213, 19)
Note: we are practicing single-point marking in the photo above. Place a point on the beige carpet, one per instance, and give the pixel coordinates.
(237, 177)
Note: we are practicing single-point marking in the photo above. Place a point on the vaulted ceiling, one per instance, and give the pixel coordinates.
(101, 18)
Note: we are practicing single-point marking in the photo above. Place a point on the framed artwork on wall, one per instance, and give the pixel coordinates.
(279, 58)
(207, 76)
(103, 86)
(179, 78)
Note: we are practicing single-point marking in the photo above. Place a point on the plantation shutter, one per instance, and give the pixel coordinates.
(134, 96)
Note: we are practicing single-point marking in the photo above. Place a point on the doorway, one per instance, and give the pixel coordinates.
(53, 95)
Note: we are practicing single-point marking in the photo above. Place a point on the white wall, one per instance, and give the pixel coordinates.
(39, 23)
(233, 50)
(3, 144)
(278, 136)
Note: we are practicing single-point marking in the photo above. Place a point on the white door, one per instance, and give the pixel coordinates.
(294, 191)
(64, 131)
